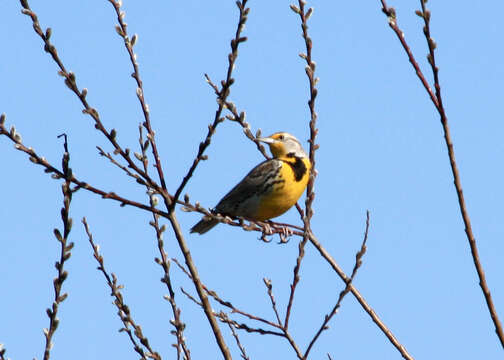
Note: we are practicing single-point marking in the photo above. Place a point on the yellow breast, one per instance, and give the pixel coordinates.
(286, 189)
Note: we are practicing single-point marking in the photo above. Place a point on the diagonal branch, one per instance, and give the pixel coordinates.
(345, 291)
(392, 21)
(438, 103)
(239, 118)
(227, 304)
(123, 309)
(225, 319)
(367, 308)
(222, 96)
(71, 83)
(122, 30)
(238, 343)
(242, 326)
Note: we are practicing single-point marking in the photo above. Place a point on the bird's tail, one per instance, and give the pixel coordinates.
(204, 225)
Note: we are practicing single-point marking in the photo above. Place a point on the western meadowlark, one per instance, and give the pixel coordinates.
(269, 189)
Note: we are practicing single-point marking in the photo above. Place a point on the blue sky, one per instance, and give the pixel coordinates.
(381, 148)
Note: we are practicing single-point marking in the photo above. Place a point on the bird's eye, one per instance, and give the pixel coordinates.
(281, 137)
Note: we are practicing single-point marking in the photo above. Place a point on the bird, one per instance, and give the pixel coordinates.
(269, 189)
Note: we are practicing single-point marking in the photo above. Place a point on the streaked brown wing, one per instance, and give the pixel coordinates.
(243, 199)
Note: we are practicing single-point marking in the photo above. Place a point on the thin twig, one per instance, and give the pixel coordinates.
(269, 286)
(123, 309)
(222, 96)
(225, 303)
(457, 182)
(392, 21)
(65, 254)
(346, 290)
(240, 119)
(223, 317)
(122, 31)
(241, 326)
(376, 319)
(295, 279)
(164, 261)
(310, 194)
(438, 103)
(243, 353)
(127, 171)
(15, 137)
(70, 82)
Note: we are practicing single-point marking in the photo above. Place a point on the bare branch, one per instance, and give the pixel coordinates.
(310, 195)
(269, 286)
(225, 303)
(35, 158)
(241, 326)
(238, 343)
(123, 309)
(438, 103)
(240, 119)
(224, 318)
(376, 319)
(346, 290)
(199, 286)
(65, 254)
(127, 171)
(128, 44)
(456, 177)
(70, 82)
(222, 96)
(293, 344)
(164, 262)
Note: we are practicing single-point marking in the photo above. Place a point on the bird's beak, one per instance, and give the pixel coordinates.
(267, 140)
(277, 148)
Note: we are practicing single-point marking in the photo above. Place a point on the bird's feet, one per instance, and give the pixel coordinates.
(269, 228)
(284, 234)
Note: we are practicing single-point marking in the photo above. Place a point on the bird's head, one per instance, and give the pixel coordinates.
(284, 144)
